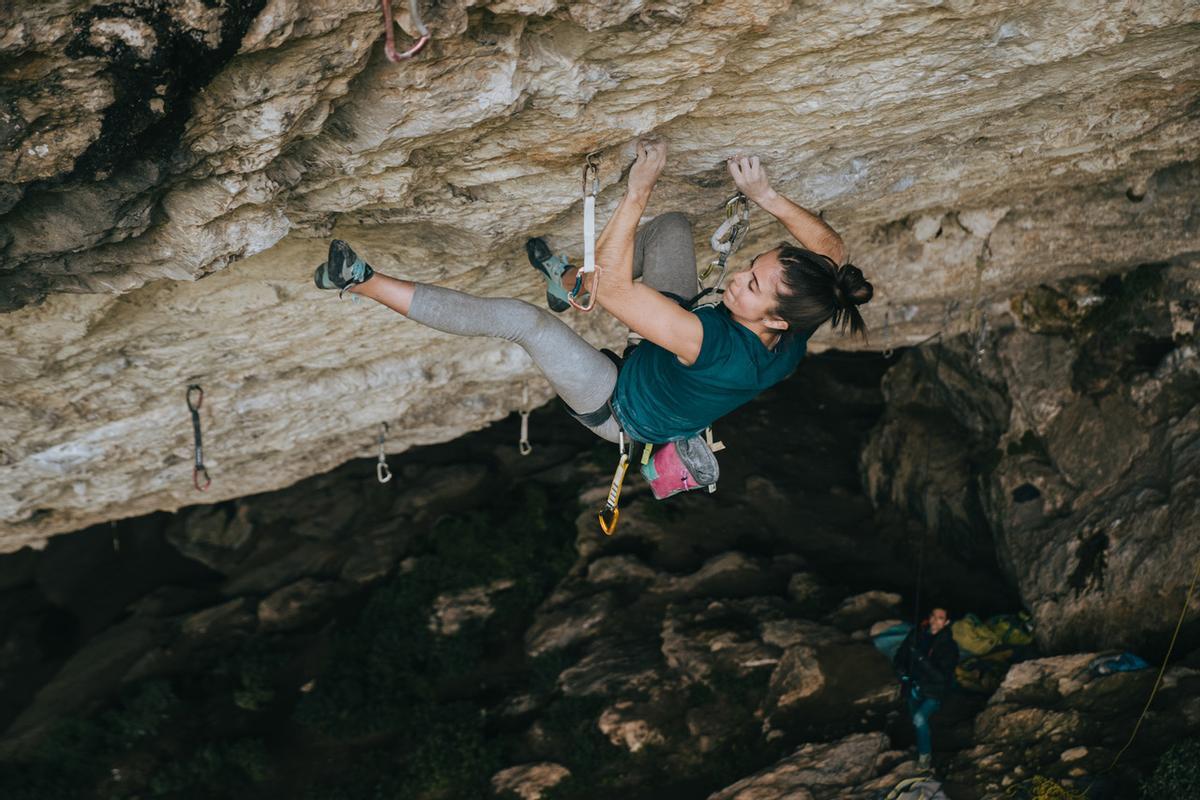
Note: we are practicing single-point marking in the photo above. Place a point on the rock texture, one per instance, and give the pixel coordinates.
(966, 149)
(1065, 445)
(408, 639)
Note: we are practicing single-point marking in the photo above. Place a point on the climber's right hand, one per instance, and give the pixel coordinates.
(651, 157)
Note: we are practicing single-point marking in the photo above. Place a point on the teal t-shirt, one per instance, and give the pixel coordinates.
(659, 400)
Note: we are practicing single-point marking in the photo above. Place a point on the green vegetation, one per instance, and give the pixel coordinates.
(81, 757)
(400, 690)
(1177, 773)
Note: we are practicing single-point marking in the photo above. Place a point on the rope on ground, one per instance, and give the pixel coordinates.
(1162, 669)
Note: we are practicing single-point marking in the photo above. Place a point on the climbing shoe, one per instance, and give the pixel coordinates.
(924, 762)
(343, 269)
(552, 268)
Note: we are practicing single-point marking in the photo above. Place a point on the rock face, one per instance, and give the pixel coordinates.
(415, 640)
(965, 149)
(1065, 445)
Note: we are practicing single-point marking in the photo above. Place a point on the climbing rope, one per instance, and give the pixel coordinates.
(198, 469)
(382, 473)
(523, 445)
(1187, 601)
(389, 47)
(591, 187)
(611, 512)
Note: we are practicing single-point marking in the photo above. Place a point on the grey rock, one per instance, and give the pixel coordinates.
(296, 605)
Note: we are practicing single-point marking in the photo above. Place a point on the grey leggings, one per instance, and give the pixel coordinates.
(663, 255)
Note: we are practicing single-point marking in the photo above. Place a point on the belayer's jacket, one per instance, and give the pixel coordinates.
(928, 660)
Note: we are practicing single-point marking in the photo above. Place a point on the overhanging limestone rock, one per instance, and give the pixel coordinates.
(966, 150)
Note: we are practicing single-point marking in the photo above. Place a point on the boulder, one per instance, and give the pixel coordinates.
(814, 772)
(297, 604)
(453, 610)
(529, 781)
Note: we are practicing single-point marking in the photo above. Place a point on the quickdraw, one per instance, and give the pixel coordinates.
(382, 473)
(389, 47)
(523, 445)
(887, 349)
(609, 515)
(591, 187)
(198, 469)
(981, 338)
(728, 237)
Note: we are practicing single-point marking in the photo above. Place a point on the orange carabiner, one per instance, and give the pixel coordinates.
(609, 525)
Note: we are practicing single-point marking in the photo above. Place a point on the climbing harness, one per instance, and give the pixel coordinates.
(381, 468)
(609, 515)
(523, 445)
(199, 468)
(389, 47)
(591, 187)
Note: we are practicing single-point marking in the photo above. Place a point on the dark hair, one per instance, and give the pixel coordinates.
(820, 290)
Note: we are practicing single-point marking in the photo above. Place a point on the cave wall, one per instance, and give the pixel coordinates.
(1063, 442)
(965, 149)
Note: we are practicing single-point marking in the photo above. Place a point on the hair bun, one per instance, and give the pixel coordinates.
(852, 287)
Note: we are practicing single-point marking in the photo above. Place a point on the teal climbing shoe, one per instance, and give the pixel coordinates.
(343, 269)
(552, 268)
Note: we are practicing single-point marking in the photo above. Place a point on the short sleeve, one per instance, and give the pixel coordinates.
(717, 346)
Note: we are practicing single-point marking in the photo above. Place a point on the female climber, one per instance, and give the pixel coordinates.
(694, 365)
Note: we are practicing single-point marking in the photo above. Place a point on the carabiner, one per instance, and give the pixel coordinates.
(389, 47)
(198, 467)
(609, 526)
(610, 509)
(382, 473)
(523, 445)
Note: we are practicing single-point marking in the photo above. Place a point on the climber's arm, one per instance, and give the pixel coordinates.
(812, 232)
(642, 308)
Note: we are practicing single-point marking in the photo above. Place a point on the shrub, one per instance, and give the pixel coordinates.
(1177, 773)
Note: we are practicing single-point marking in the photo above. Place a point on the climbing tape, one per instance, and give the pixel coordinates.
(524, 446)
(887, 348)
(194, 406)
(728, 237)
(382, 473)
(609, 515)
(389, 47)
(591, 187)
(1187, 601)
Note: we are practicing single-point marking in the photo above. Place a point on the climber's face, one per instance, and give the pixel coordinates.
(937, 620)
(752, 296)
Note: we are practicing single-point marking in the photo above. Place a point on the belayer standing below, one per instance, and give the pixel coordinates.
(926, 661)
(695, 365)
